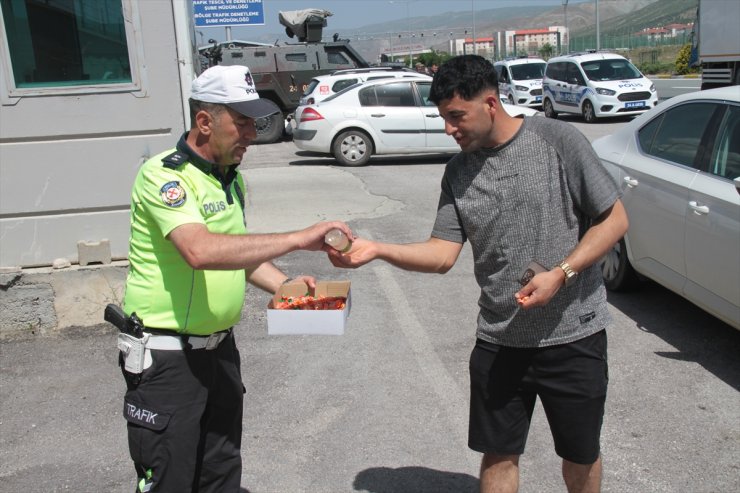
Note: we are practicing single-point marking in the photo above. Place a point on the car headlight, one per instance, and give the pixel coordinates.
(652, 87)
(605, 92)
(522, 88)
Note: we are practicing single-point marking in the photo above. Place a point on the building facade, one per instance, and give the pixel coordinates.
(528, 42)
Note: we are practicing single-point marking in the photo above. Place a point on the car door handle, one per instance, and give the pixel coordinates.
(631, 182)
(377, 115)
(699, 210)
(432, 115)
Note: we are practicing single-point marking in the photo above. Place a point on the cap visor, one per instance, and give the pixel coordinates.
(256, 108)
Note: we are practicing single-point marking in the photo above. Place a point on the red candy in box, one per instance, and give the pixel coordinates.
(311, 303)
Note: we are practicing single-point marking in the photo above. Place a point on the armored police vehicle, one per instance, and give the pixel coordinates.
(283, 72)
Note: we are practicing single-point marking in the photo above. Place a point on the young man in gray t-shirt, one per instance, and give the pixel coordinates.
(522, 191)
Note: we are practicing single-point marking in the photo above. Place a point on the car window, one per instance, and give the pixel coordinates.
(527, 71)
(311, 86)
(573, 75)
(337, 94)
(367, 97)
(497, 68)
(295, 57)
(612, 69)
(424, 89)
(343, 84)
(646, 134)
(725, 161)
(396, 94)
(679, 133)
(336, 58)
(555, 71)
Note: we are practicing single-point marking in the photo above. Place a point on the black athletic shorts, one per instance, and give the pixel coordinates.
(570, 380)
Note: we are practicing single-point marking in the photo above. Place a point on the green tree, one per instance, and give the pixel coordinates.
(433, 57)
(546, 51)
(682, 60)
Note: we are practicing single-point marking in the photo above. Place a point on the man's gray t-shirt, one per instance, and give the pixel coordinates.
(531, 198)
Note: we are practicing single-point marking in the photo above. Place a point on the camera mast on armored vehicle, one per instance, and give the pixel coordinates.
(282, 72)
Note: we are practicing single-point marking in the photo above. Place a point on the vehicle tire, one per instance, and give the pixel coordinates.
(511, 100)
(352, 148)
(269, 129)
(589, 114)
(548, 109)
(616, 269)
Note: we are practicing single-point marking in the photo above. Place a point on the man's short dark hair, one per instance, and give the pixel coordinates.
(195, 106)
(465, 76)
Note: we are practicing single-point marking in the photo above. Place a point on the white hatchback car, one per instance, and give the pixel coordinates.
(323, 86)
(679, 169)
(595, 85)
(389, 116)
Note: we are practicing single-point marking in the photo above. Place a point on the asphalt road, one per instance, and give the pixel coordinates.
(383, 408)
(668, 88)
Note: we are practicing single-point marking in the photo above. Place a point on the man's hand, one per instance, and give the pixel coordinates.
(362, 252)
(309, 281)
(540, 290)
(312, 238)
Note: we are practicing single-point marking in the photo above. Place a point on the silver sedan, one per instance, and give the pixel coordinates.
(679, 169)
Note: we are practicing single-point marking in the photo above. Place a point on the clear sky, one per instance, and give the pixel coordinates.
(350, 14)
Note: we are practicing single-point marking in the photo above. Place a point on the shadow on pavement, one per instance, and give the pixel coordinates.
(696, 335)
(413, 480)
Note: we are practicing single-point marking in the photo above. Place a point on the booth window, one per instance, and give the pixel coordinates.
(61, 43)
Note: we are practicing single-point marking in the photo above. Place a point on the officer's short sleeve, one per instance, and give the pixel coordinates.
(169, 198)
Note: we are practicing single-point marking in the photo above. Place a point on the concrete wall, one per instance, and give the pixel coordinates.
(43, 301)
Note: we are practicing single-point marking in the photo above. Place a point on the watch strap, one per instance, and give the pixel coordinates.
(570, 274)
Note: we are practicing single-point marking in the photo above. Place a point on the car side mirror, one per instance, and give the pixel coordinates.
(737, 184)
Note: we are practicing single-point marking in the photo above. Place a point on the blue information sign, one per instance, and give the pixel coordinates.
(214, 13)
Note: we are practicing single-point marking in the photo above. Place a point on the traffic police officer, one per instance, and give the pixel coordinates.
(190, 258)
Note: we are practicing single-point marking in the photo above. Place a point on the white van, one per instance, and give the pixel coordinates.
(520, 80)
(323, 86)
(595, 85)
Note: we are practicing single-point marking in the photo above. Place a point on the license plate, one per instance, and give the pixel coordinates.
(636, 104)
(538, 99)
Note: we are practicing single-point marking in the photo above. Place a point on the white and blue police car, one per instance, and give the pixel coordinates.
(520, 80)
(595, 85)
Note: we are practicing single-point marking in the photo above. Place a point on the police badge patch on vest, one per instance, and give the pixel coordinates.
(173, 195)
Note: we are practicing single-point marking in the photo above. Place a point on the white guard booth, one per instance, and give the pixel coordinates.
(88, 91)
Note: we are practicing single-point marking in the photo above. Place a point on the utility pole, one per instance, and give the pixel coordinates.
(567, 33)
(598, 30)
(472, 9)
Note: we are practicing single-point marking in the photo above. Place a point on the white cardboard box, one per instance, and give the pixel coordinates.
(325, 322)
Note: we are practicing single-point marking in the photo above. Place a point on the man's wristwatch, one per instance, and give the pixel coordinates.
(570, 274)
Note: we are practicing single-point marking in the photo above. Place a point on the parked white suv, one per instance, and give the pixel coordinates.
(520, 80)
(595, 85)
(323, 86)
